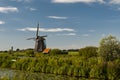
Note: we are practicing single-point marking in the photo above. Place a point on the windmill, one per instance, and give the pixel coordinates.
(40, 44)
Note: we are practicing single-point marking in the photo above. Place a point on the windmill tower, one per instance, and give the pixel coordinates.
(40, 44)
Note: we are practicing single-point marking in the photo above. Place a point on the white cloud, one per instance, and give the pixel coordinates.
(101, 1)
(69, 34)
(85, 35)
(114, 2)
(32, 9)
(22, 0)
(48, 30)
(8, 9)
(56, 17)
(91, 30)
(2, 22)
(76, 1)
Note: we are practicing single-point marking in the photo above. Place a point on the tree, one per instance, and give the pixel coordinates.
(109, 48)
(17, 49)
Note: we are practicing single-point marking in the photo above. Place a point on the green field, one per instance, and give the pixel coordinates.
(62, 64)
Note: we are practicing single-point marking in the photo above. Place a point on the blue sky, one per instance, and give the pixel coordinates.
(68, 23)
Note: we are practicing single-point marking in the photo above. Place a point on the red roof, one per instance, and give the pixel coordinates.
(47, 50)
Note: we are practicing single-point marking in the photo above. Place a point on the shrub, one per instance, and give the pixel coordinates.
(88, 51)
(55, 51)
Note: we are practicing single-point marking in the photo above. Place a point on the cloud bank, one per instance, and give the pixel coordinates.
(8, 9)
(48, 30)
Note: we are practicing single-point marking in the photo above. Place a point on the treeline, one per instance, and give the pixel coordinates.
(92, 62)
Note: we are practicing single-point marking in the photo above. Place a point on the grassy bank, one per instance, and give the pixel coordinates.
(71, 65)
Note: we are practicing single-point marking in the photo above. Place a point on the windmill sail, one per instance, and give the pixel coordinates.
(31, 38)
(37, 30)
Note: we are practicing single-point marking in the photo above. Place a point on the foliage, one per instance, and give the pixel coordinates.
(109, 48)
(30, 53)
(113, 70)
(25, 53)
(17, 49)
(97, 71)
(78, 66)
(73, 53)
(88, 52)
(6, 60)
(57, 52)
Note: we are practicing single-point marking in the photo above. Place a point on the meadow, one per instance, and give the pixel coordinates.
(71, 64)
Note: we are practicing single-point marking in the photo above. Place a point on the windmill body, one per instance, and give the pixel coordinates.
(40, 44)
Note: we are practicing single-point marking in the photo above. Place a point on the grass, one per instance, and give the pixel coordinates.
(73, 64)
(73, 53)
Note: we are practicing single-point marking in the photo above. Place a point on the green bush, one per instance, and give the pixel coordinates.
(55, 51)
(88, 52)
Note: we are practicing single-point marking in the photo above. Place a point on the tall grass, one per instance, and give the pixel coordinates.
(78, 66)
